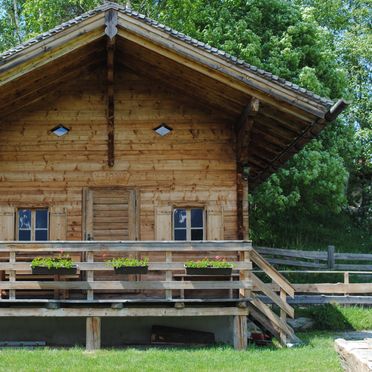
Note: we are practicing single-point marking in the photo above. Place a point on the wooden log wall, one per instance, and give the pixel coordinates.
(195, 164)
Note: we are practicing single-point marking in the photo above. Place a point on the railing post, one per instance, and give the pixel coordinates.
(168, 275)
(283, 317)
(331, 257)
(346, 281)
(90, 275)
(12, 275)
(244, 274)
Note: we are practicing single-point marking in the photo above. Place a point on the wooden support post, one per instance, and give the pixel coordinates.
(242, 202)
(12, 275)
(331, 257)
(283, 317)
(93, 333)
(111, 20)
(168, 275)
(240, 332)
(90, 275)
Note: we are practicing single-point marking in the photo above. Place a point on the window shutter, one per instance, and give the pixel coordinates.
(57, 223)
(7, 223)
(163, 223)
(215, 227)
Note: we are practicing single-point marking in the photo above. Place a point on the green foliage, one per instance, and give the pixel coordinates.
(61, 262)
(127, 262)
(218, 262)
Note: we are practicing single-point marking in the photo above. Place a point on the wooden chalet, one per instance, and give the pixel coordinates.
(123, 137)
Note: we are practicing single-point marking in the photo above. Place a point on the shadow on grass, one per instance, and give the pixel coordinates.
(327, 317)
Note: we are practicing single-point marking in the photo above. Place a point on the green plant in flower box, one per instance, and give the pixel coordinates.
(217, 262)
(127, 262)
(60, 262)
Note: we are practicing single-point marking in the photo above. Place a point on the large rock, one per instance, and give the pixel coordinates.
(301, 324)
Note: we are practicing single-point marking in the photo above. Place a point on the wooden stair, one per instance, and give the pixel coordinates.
(264, 315)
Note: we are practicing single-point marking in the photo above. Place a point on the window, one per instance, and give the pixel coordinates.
(33, 224)
(188, 224)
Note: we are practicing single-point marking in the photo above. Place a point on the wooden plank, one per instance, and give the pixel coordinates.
(123, 285)
(353, 256)
(240, 336)
(90, 275)
(102, 266)
(330, 288)
(318, 255)
(173, 246)
(58, 223)
(296, 263)
(283, 317)
(93, 333)
(168, 275)
(272, 273)
(12, 276)
(264, 288)
(275, 319)
(125, 312)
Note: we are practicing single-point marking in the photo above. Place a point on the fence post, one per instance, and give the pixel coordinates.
(331, 257)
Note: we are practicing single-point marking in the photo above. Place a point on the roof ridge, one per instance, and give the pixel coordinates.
(173, 33)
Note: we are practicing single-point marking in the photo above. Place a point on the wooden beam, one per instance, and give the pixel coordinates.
(243, 129)
(111, 20)
(127, 311)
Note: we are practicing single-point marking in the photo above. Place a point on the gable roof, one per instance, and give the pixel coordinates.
(307, 111)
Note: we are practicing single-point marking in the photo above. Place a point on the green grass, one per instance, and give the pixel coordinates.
(317, 355)
(338, 318)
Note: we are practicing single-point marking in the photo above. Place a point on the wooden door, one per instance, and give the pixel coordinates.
(110, 214)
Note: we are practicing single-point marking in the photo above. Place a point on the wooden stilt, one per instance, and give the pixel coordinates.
(93, 336)
(240, 332)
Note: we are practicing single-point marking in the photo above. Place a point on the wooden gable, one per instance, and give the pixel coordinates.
(273, 118)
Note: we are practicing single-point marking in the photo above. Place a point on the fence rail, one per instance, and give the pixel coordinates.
(327, 260)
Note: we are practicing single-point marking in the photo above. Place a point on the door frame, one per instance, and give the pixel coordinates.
(133, 209)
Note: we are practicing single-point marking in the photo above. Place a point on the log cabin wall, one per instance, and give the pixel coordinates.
(194, 165)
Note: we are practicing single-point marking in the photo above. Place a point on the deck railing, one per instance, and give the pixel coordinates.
(166, 281)
(87, 253)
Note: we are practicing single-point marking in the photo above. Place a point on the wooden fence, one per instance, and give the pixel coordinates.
(320, 260)
(329, 263)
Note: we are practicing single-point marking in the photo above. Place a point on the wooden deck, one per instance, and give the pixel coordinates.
(166, 291)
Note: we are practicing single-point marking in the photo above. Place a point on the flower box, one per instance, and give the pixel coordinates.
(131, 270)
(42, 270)
(223, 271)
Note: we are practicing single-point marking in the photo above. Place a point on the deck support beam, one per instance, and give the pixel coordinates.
(240, 332)
(93, 333)
(111, 20)
(243, 129)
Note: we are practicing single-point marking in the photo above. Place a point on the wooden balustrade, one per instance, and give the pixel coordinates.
(89, 283)
(167, 278)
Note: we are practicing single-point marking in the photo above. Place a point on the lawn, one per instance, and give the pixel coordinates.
(317, 355)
